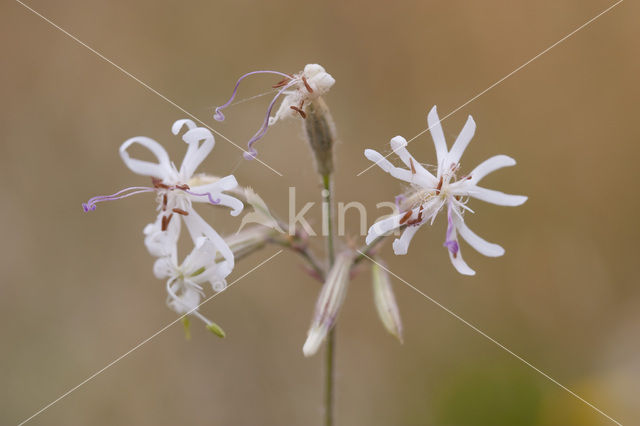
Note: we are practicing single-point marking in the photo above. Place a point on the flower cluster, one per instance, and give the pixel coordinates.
(176, 190)
(428, 193)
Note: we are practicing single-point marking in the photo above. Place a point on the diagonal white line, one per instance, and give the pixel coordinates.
(500, 345)
(140, 344)
(502, 79)
(151, 89)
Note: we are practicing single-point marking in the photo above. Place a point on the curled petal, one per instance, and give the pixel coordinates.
(212, 193)
(160, 170)
(196, 152)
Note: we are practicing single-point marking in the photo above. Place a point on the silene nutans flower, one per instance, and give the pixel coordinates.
(448, 189)
(176, 189)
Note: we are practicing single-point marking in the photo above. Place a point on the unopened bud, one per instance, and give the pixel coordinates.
(216, 329)
(321, 134)
(385, 301)
(329, 303)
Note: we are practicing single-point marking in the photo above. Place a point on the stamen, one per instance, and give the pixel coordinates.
(413, 169)
(157, 183)
(180, 211)
(218, 115)
(306, 84)
(90, 205)
(281, 83)
(165, 222)
(299, 111)
(439, 187)
(165, 199)
(417, 220)
(406, 217)
(184, 187)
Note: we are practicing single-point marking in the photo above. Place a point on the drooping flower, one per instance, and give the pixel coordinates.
(448, 189)
(185, 281)
(176, 190)
(295, 90)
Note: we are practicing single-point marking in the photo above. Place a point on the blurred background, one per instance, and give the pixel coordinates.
(77, 290)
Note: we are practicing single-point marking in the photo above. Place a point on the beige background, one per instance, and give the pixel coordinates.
(77, 290)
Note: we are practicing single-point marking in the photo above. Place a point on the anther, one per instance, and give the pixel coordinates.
(439, 187)
(306, 84)
(165, 200)
(184, 187)
(299, 111)
(180, 211)
(406, 217)
(413, 169)
(165, 221)
(281, 83)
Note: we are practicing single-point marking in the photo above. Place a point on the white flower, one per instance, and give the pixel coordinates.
(184, 281)
(429, 193)
(296, 89)
(175, 191)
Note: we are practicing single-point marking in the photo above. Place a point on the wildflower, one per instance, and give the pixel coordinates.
(184, 281)
(176, 190)
(329, 303)
(385, 300)
(447, 189)
(296, 89)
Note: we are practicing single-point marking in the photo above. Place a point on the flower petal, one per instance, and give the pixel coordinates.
(489, 166)
(196, 152)
(478, 243)
(197, 228)
(213, 191)
(438, 135)
(461, 143)
(161, 243)
(398, 145)
(496, 197)
(401, 245)
(461, 266)
(160, 170)
(383, 226)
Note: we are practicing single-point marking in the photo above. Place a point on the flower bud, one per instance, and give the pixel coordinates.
(329, 303)
(385, 301)
(216, 329)
(321, 134)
